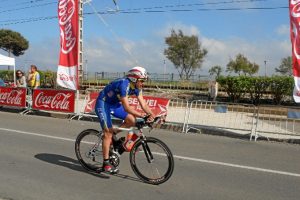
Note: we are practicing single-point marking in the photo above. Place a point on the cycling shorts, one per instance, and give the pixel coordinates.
(104, 111)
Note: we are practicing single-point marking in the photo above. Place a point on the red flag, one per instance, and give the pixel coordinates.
(67, 72)
(295, 39)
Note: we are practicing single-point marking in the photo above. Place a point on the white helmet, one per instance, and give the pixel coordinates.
(137, 73)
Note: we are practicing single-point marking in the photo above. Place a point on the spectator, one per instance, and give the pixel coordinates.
(213, 90)
(33, 78)
(20, 79)
(2, 83)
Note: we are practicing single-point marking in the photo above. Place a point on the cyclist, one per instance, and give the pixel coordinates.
(113, 99)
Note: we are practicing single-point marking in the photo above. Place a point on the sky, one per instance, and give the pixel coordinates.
(133, 32)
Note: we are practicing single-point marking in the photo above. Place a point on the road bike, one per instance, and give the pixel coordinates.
(150, 158)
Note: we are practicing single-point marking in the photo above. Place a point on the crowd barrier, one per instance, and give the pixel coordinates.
(236, 117)
(277, 120)
(262, 121)
(177, 112)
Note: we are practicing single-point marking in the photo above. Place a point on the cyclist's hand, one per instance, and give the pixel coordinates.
(150, 118)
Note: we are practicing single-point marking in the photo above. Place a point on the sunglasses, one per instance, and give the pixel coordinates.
(142, 80)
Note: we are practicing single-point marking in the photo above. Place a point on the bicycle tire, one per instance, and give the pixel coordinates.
(158, 149)
(88, 149)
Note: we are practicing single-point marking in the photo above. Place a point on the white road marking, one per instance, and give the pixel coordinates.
(37, 134)
(175, 156)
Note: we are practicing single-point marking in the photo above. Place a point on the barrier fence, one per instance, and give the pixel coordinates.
(247, 119)
(236, 117)
(278, 120)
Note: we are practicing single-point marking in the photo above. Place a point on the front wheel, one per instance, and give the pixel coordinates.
(152, 160)
(88, 149)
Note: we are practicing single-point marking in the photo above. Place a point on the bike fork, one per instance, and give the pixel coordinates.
(147, 151)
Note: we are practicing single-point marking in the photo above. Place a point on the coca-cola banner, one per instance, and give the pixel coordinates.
(67, 74)
(13, 96)
(295, 39)
(159, 106)
(53, 100)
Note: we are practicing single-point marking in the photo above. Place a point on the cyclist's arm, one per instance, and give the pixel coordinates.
(145, 107)
(127, 108)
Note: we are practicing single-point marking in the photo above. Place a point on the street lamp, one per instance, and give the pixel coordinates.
(265, 68)
(164, 70)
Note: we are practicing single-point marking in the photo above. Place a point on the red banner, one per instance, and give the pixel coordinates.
(91, 102)
(295, 39)
(13, 96)
(67, 74)
(53, 100)
(158, 105)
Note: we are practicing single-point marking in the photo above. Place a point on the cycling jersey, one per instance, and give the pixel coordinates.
(117, 89)
(108, 101)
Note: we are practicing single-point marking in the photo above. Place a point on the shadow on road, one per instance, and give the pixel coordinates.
(65, 162)
(74, 165)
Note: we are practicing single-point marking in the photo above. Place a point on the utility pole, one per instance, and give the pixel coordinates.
(265, 68)
(80, 43)
(164, 70)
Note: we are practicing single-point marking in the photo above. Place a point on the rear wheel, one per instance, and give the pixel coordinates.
(88, 149)
(152, 160)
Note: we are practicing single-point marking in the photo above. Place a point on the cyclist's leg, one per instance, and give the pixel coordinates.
(119, 112)
(102, 110)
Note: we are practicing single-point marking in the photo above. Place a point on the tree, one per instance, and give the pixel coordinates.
(13, 42)
(215, 70)
(286, 67)
(242, 65)
(185, 53)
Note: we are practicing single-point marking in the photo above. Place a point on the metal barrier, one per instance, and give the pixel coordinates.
(277, 120)
(177, 112)
(236, 117)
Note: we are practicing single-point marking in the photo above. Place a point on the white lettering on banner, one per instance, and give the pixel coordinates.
(66, 9)
(295, 40)
(13, 97)
(133, 101)
(296, 14)
(150, 102)
(59, 101)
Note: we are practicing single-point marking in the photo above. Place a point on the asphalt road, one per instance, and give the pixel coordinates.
(37, 161)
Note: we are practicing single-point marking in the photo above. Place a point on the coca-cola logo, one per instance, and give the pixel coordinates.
(66, 10)
(59, 101)
(12, 97)
(65, 77)
(295, 13)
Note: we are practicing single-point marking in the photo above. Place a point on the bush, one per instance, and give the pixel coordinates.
(257, 88)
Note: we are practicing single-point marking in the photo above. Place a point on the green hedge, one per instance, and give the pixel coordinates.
(275, 88)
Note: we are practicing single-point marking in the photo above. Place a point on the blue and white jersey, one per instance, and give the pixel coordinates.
(114, 91)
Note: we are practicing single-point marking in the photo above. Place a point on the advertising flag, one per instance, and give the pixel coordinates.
(67, 72)
(294, 6)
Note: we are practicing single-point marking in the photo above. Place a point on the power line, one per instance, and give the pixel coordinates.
(22, 21)
(134, 9)
(23, 3)
(27, 7)
(146, 10)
